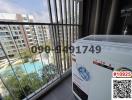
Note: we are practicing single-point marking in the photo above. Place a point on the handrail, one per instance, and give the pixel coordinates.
(32, 23)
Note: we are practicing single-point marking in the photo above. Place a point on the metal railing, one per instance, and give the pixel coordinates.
(46, 56)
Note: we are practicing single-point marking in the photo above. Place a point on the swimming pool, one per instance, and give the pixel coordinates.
(30, 67)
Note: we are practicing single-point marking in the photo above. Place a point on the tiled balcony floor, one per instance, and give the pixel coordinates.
(63, 91)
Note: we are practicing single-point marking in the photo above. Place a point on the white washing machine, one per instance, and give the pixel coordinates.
(94, 60)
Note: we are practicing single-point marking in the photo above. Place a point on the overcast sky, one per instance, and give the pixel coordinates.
(38, 8)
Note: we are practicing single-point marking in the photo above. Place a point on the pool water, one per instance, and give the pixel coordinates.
(29, 66)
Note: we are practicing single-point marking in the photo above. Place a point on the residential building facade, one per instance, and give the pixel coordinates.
(19, 37)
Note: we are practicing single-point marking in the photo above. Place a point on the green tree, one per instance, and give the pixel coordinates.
(13, 84)
(26, 55)
(49, 72)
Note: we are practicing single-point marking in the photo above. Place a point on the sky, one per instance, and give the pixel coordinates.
(37, 8)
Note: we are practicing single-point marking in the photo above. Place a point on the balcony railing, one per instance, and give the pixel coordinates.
(36, 64)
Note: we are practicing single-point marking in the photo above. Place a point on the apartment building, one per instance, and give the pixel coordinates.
(6, 38)
(1, 53)
(42, 34)
(19, 36)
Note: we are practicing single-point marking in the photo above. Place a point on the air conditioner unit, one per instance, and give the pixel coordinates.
(94, 60)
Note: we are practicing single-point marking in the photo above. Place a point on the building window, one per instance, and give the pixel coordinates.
(20, 32)
(25, 18)
(1, 28)
(30, 40)
(27, 28)
(40, 35)
(7, 33)
(14, 28)
(18, 27)
(20, 45)
(29, 36)
(31, 43)
(13, 46)
(22, 41)
(8, 37)
(28, 32)
(15, 37)
(11, 42)
(16, 33)
(14, 50)
(5, 28)
(19, 41)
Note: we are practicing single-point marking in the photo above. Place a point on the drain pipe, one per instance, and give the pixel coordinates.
(112, 17)
(97, 16)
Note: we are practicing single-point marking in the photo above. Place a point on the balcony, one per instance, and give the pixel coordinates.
(45, 62)
(42, 70)
(33, 71)
(63, 91)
